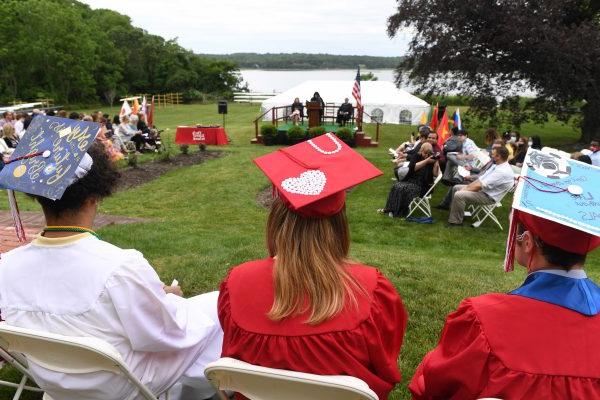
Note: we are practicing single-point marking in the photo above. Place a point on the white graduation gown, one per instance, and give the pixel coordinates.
(83, 286)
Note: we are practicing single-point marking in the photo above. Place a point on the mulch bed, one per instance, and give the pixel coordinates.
(132, 177)
(265, 197)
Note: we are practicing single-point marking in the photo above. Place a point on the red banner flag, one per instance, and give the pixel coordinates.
(443, 131)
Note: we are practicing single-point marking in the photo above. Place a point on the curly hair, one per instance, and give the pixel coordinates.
(99, 182)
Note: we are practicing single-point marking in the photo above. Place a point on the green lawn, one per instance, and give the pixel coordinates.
(204, 219)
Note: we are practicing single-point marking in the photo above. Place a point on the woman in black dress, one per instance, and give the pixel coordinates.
(421, 170)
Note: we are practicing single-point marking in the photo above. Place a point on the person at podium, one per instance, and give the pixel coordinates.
(345, 112)
(317, 97)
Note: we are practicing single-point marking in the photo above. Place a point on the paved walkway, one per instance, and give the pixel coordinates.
(33, 222)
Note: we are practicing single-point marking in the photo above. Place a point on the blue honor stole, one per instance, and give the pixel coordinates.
(572, 290)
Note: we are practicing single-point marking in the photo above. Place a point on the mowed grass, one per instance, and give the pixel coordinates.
(204, 219)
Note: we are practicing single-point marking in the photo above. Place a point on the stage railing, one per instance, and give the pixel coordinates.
(283, 113)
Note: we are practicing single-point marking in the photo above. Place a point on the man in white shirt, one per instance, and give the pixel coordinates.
(489, 188)
(466, 157)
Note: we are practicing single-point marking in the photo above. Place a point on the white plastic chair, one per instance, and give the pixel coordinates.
(21, 365)
(261, 383)
(68, 354)
(423, 203)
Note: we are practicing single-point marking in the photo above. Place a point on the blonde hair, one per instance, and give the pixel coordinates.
(310, 271)
(8, 131)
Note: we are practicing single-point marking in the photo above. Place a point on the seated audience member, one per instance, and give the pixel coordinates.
(74, 115)
(535, 142)
(489, 188)
(584, 158)
(522, 145)
(539, 341)
(126, 132)
(62, 114)
(114, 154)
(473, 176)
(509, 144)
(7, 118)
(297, 111)
(432, 138)
(410, 150)
(466, 157)
(453, 144)
(595, 156)
(70, 282)
(19, 125)
(316, 311)
(344, 113)
(421, 170)
(9, 136)
(490, 137)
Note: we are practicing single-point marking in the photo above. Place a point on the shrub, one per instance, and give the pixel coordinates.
(185, 149)
(296, 133)
(132, 160)
(193, 96)
(316, 131)
(345, 134)
(268, 131)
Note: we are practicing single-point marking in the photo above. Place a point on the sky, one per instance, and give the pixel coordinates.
(267, 26)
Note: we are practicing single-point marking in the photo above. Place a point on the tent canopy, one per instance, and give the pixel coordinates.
(379, 98)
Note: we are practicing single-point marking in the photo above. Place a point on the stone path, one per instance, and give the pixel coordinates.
(33, 222)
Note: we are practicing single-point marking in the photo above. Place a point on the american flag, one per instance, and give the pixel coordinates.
(356, 90)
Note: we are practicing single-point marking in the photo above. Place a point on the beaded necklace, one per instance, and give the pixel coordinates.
(68, 228)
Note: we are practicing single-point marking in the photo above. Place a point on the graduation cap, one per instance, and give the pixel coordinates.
(557, 199)
(312, 177)
(51, 156)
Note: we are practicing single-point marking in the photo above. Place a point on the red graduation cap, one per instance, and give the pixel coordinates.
(553, 233)
(312, 177)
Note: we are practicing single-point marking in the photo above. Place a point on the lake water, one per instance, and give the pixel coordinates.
(270, 81)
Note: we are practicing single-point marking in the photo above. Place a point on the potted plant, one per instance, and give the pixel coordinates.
(315, 131)
(345, 134)
(296, 134)
(269, 134)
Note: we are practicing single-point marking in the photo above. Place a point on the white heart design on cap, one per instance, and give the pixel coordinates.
(310, 183)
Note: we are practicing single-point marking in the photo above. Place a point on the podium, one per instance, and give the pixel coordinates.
(313, 109)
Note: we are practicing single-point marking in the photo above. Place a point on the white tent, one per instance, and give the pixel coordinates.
(381, 99)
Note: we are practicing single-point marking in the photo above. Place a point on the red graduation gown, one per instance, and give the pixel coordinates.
(363, 342)
(512, 347)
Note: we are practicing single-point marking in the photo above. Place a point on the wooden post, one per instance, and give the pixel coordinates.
(377, 133)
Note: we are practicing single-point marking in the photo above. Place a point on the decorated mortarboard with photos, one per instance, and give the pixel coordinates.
(46, 159)
(560, 189)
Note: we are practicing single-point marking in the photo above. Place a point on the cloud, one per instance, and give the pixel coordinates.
(275, 26)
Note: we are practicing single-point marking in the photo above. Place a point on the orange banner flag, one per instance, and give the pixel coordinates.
(433, 124)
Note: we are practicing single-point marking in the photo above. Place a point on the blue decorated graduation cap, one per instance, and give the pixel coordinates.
(50, 157)
(558, 200)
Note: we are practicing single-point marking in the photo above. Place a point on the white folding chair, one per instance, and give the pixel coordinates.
(423, 203)
(261, 383)
(68, 354)
(482, 212)
(20, 364)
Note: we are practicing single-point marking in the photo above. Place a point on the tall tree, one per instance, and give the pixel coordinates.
(490, 48)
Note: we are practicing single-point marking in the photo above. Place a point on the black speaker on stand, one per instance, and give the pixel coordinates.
(222, 107)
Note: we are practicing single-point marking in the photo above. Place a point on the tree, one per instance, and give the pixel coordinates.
(369, 76)
(489, 48)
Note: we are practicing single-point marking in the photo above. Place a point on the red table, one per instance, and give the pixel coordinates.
(201, 135)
